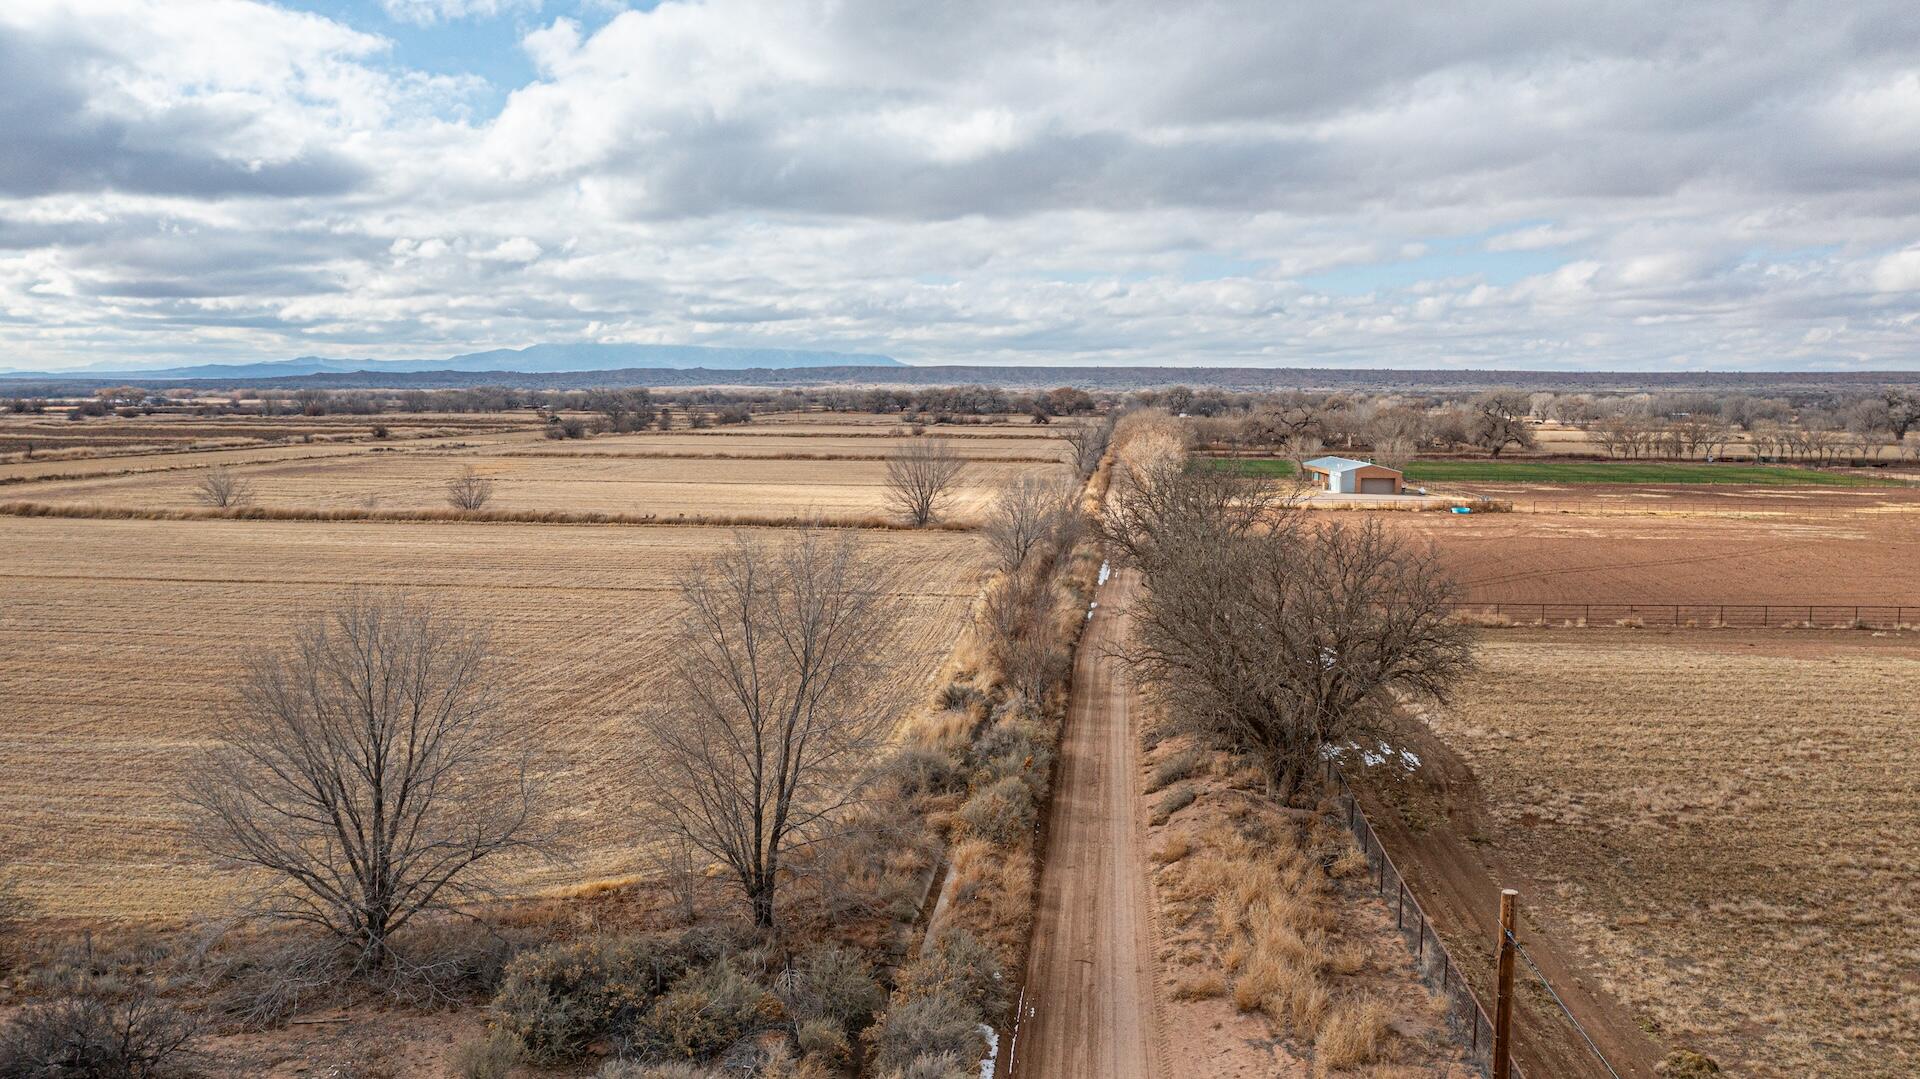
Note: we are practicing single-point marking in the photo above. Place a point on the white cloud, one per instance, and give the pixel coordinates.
(1898, 272)
(1087, 181)
(1536, 238)
(429, 12)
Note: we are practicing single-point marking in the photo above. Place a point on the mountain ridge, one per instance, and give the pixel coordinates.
(534, 359)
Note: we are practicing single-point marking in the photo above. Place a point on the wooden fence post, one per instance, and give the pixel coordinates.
(1503, 998)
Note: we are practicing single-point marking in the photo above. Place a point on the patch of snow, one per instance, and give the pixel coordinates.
(993, 1050)
(1106, 571)
(1410, 759)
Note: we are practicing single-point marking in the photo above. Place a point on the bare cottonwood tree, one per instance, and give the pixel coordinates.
(1275, 636)
(469, 490)
(1500, 419)
(1086, 443)
(1025, 512)
(779, 705)
(921, 476)
(1015, 619)
(1394, 452)
(222, 488)
(365, 773)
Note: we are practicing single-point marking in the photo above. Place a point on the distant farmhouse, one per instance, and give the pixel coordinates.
(1346, 476)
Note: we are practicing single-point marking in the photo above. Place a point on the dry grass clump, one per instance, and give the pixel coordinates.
(1274, 926)
(1353, 1033)
(1252, 909)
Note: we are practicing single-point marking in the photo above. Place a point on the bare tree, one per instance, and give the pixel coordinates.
(1280, 639)
(1086, 443)
(1024, 514)
(778, 705)
(1498, 420)
(365, 775)
(921, 476)
(222, 488)
(1014, 617)
(469, 490)
(1394, 452)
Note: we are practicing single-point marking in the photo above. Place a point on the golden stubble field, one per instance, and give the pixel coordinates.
(1725, 822)
(661, 487)
(794, 466)
(119, 641)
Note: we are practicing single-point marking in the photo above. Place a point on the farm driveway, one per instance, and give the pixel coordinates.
(1088, 1011)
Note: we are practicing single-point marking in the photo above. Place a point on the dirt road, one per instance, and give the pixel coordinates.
(1088, 1008)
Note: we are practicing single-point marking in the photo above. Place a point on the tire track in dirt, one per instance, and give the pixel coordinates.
(1089, 1010)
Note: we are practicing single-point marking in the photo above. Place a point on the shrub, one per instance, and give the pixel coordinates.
(628, 1069)
(704, 1013)
(492, 1057)
(933, 1066)
(1352, 1034)
(958, 695)
(559, 999)
(88, 1036)
(961, 965)
(380, 430)
(1176, 800)
(1000, 814)
(937, 1026)
(835, 985)
(823, 1042)
(926, 771)
(1687, 1064)
(1175, 768)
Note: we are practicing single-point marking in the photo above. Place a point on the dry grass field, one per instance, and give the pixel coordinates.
(1813, 553)
(587, 483)
(119, 640)
(849, 443)
(1724, 822)
(52, 435)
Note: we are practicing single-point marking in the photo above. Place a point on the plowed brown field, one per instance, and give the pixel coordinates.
(119, 641)
(1863, 557)
(1723, 821)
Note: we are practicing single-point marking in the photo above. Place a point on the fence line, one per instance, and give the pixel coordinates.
(1735, 615)
(1729, 506)
(1541, 977)
(1465, 1014)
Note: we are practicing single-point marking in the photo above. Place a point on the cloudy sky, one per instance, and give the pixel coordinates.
(1530, 184)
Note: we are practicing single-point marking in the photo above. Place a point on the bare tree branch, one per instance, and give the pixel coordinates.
(222, 488)
(921, 476)
(469, 490)
(1275, 636)
(778, 708)
(365, 775)
(1024, 513)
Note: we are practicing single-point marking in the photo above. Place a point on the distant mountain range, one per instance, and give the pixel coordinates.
(534, 360)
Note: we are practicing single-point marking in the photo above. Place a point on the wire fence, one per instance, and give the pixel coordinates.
(1466, 1016)
(1541, 977)
(1729, 615)
(1738, 501)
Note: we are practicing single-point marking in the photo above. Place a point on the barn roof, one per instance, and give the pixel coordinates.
(1342, 464)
